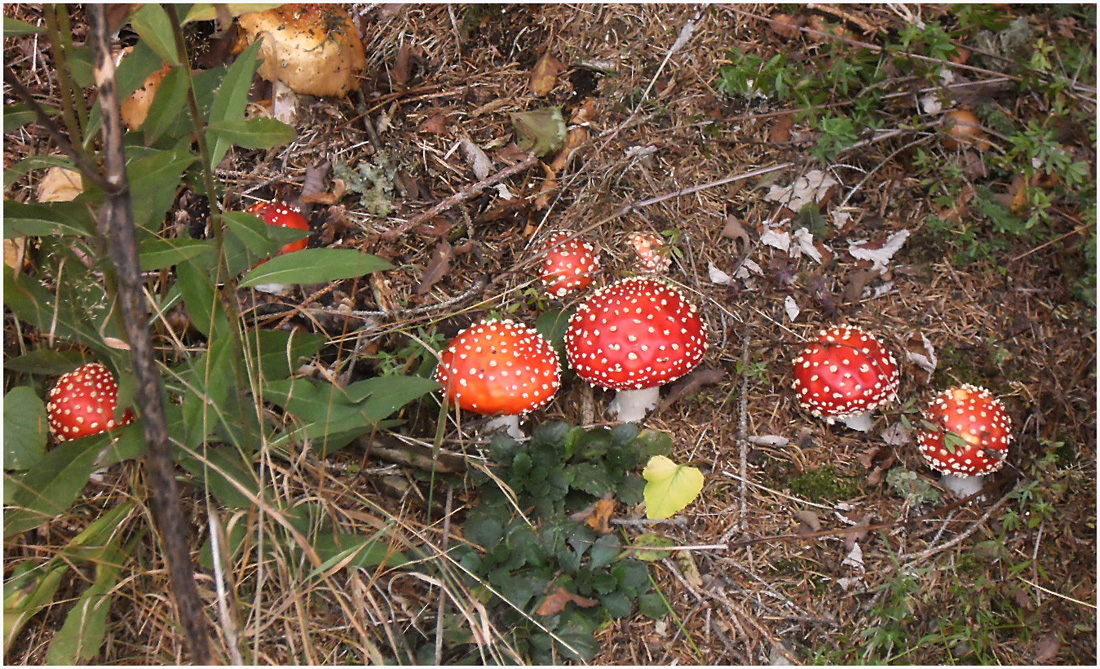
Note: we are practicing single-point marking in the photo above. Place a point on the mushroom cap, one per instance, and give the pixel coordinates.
(648, 248)
(568, 267)
(639, 332)
(82, 403)
(499, 367)
(277, 213)
(975, 416)
(846, 372)
(314, 49)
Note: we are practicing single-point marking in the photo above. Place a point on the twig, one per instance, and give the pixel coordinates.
(742, 427)
(116, 223)
(962, 536)
(460, 197)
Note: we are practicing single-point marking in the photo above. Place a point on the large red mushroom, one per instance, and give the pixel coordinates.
(845, 375)
(82, 403)
(967, 437)
(499, 368)
(635, 336)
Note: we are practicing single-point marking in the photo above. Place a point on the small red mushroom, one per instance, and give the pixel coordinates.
(845, 375)
(651, 257)
(278, 214)
(569, 266)
(970, 439)
(499, 368)
(83, 403)
(635, 336)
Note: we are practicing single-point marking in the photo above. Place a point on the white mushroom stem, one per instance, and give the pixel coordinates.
(509, 424)
(859, 421)
(273, 288)
(631, 406)
(962, 486)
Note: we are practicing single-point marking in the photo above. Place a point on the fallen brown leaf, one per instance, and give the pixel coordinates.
(402, 68)
(547, 188)
(598, 516)
(689, 568)
(438, 266)
(856, 532)
(1047, 648)
(545, 75)
(691, 384)
(857, 281)
(735, 231)
(784, 25)
(809, 522)
(556, 601)
(434, 125)
(781, 131)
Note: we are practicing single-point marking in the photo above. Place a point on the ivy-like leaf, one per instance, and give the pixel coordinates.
(670, 487)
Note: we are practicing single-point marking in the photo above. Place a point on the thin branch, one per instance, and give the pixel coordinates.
(116, 224)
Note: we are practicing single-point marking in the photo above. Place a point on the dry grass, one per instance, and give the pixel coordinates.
(1011, 324)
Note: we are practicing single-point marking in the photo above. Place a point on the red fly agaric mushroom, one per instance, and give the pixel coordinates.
(280, 215)
(650, 256)
(968, 437)
(569, 266)
(500, 368)
(845, 375)
(635, 336)
(83, 403)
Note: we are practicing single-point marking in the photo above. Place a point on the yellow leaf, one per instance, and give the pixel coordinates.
(670, 487)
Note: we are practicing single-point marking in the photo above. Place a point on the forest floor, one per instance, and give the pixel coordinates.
(765, 148)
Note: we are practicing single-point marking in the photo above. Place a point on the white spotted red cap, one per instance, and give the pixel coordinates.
(983, 428)
(639, 332)
(844, 375)
(569, 265)
(82, 403)
(499, 368)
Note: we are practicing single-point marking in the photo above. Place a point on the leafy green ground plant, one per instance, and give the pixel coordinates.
(551, 579)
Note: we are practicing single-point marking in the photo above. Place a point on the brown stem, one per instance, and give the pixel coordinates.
(116, 224)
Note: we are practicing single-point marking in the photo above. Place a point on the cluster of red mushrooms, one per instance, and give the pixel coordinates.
(632, 336)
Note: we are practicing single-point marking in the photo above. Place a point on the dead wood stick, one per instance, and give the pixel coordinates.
(460, 197)
(116, 225)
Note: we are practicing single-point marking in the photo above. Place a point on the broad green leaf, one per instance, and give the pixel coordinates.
(131, 74)
(169, 105)
(257, 133)
(653, 605)
(670, 487)
(200, 296)
(204, 11)
(51, 218)
(386, 394)
(160, 253)
(225, 474)
(604, 551)
(69, 319)
(30, 589)
(85, 628)
(651, 546)
(46, 362)
(154, 181)
(368, 551)
(278, 352)
(18, 115)
(251, 240)
(314, 266)
(126, 443)
(231, 98)
(25, 431)
(540, 131)
(35, 162)
(154, 27)
(51, 487)
(590, 477)
(15, 27)
(80, 66)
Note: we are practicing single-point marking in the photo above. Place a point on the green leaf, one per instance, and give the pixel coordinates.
(169, 105)
(154, 27)
(51, 487)
(616, 604)
(160, 253)
(670, 487)
(200, 296)
(386, 394)
(46, 362)
(552, 325)
(604, 551)
(31, 163)
(540, 131)
(257, 133)
(30, 589)
(647, 543)
(231, 98)
(130, 76)
(51, 218)
(368, 551)
(653, 605)
(25, 431)
(126, 443)
(631, 490)
(80, 315)
(314, 266)
(85, 628)
(154, 180)
(591, 478)
(483, 527)
(15, 28)
(18, 115)
(225, 473)
(277, 352)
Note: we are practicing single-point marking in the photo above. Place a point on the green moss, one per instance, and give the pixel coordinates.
(824, 484)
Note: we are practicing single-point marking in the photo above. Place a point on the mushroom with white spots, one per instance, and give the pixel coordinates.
(652, 256)
(82, 403)
(569, 265)
(635, 336)
(499, 368)
(278, 214)
(967, 437)
(845, 375)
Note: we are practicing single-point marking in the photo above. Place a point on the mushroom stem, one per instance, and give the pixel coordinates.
(962, 486)
(859, 421)
(509, 424)
(631, 406)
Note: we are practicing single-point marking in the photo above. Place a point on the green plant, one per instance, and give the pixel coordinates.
(550, 579)
(823, 485)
